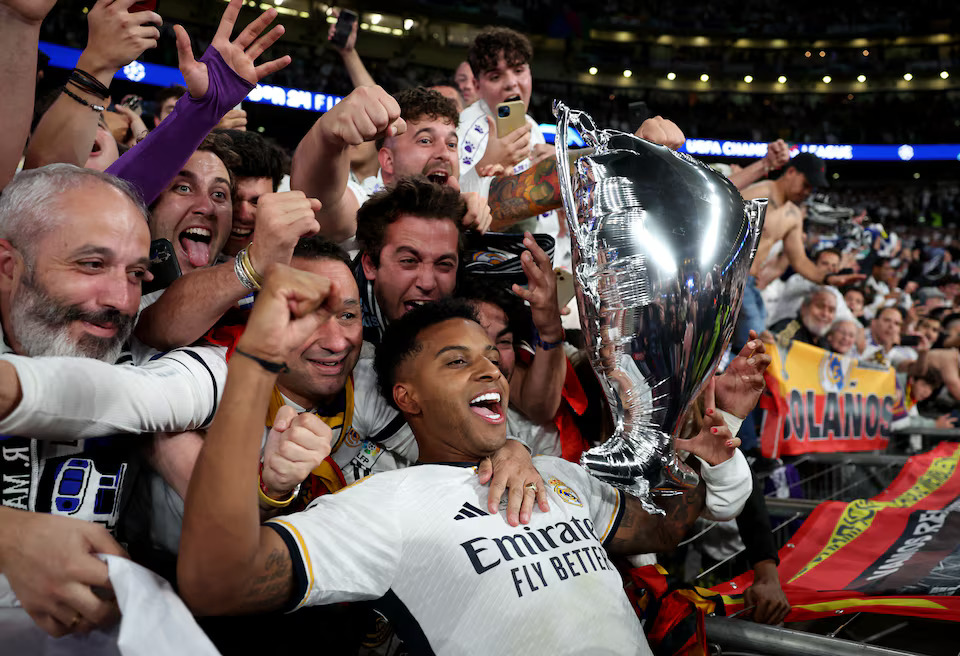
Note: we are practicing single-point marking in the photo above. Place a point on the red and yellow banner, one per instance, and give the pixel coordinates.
(819, 401)
(898, 552)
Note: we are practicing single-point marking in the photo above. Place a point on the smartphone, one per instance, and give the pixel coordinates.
(910, 340)
(132, 102)
(565, 288)
(344, 26)
(163, 265)
(510, 117)
(639, 112)
(143, 5)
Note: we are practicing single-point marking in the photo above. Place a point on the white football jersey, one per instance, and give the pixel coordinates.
(455, 579)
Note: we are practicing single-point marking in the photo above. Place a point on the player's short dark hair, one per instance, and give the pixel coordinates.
(258, 158)
(409, 196)
(320, 248)
(420, 102)
(487, 46)
(401, 342)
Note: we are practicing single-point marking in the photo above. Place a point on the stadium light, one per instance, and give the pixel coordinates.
(944, 75)
(861, 79)
(782, 79)
(704, 78)
(748, 79)
(593, 70)
(827, 79)
(407, 23)
(907, 76)
(375, 18)
(627, 73)
(671, 76)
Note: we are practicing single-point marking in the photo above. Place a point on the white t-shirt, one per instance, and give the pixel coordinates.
(456, 580)
(472, 135)
(791, 298)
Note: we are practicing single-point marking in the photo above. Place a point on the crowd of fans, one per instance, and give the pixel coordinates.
(283, 383)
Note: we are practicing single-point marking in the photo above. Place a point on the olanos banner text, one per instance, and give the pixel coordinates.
(819, 401)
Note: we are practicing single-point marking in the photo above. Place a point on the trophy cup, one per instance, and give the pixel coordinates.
(662, 246)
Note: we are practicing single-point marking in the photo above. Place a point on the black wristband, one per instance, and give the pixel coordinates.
(96, 108)
(272, 367)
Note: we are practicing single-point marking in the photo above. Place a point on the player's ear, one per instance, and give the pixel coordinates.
(406, 399)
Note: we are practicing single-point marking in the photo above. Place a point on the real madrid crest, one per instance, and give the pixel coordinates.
(564, 492)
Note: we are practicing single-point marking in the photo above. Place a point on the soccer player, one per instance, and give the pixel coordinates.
(454, 578)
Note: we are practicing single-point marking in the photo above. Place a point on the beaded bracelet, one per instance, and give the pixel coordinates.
(96, 108)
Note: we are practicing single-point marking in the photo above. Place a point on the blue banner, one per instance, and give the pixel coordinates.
(267, 94)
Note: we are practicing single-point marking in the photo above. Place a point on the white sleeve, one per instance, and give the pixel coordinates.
(728, 484)
(346, 546)
(82, 397)
(472, 182)
(373, 417)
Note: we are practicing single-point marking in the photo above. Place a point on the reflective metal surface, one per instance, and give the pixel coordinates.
(662, 245)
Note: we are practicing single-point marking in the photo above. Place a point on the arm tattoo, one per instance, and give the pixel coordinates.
(272, 588)
(641, 532)
(517, 197)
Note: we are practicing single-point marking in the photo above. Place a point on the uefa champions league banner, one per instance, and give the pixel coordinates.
(818, 401)
(898, 552)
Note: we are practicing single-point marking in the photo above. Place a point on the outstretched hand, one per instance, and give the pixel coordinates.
(714, 443)
(240, 54)
(741, 384)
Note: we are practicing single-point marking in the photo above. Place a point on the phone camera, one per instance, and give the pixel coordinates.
(503, 112)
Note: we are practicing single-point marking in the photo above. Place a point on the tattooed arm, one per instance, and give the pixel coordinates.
(228, 562)
(535, 191)
(641, 532)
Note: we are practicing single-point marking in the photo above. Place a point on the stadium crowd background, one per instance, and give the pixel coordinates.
(689, 64)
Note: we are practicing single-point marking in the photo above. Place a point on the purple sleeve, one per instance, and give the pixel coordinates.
(155, 161)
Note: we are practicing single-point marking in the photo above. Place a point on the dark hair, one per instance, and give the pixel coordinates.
(826, 250)
(401, 338)
(899, 310)
(949, 319)
(258, 158)
(320, 248)
(172, 91)
(479, 289)
(410, 196)
(487, 46)
(932, 377)
(420, 102)
(221, 145)
(863, 291)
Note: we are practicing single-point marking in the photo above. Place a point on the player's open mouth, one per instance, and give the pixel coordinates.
(195, 242)
(487, 406)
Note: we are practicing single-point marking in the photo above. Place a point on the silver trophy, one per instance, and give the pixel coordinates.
(662, 246)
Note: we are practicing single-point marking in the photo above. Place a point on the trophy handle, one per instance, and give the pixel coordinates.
(756, 214)
(562, 114)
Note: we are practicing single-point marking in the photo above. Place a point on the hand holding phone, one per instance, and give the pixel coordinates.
(343, 29)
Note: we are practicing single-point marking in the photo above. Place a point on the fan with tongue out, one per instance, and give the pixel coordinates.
(488, 406)
(195, 242)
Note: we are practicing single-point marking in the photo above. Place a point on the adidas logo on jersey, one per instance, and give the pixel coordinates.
(469, 510)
